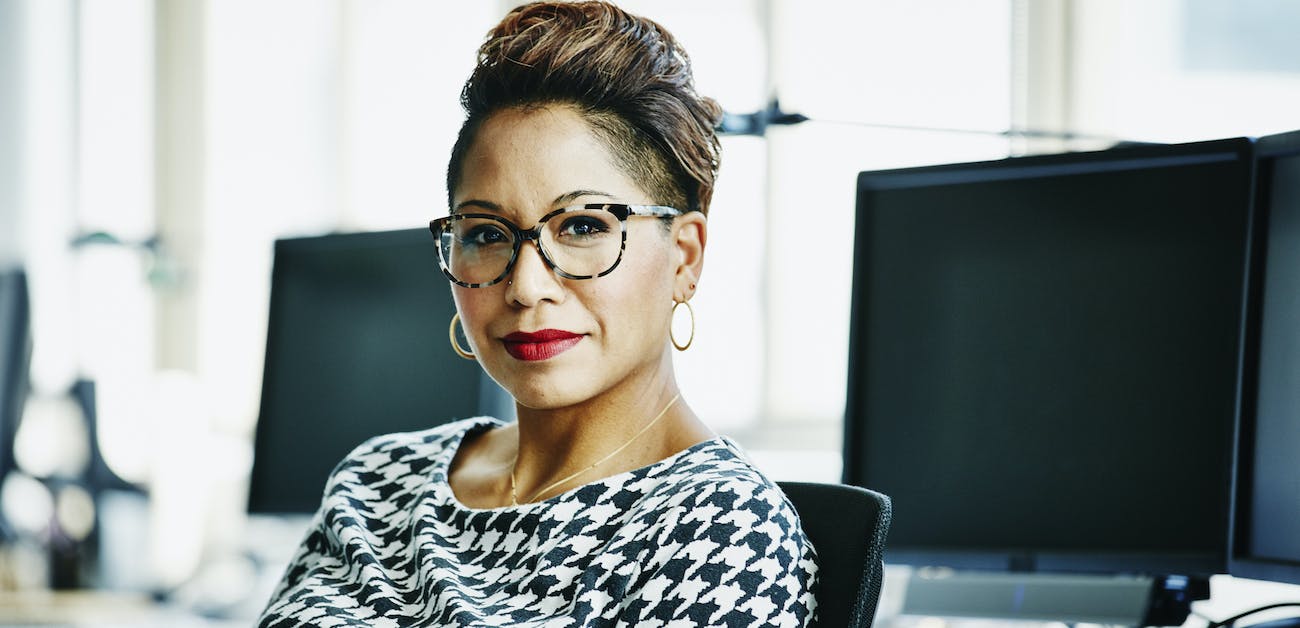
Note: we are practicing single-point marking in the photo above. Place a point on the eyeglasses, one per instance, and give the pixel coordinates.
(580, 242)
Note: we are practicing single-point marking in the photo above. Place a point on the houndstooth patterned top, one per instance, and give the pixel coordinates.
(700, 538)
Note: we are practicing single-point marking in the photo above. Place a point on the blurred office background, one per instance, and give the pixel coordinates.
(151, 151)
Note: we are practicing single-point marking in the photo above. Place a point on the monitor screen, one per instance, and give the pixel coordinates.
(15, 359)
(356, 347)
(1043, 357)
(1266, 531)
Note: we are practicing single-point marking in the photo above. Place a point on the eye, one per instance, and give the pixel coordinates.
(484, 234)
(583, 227)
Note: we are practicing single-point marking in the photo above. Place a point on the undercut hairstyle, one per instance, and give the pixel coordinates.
(624, 74)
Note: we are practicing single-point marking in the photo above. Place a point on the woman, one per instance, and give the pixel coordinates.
(578, 187)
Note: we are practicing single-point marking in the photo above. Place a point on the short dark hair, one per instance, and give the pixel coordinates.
(626, 75)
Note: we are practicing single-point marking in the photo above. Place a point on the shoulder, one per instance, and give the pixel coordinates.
(433, 438)
(725, 544)
(717, 472)
(714, 485)
(407, 448)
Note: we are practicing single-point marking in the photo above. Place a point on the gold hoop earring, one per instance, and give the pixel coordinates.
(455, 345)
(673, 337)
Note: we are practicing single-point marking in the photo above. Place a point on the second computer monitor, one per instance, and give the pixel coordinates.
(1043, 357)
(356, 347)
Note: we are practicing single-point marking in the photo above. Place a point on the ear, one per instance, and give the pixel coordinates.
(690, 233)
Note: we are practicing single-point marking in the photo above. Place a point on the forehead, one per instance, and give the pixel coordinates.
(522, 160)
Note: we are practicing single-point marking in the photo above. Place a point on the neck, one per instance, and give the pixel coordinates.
(546, 490)
(555, 443)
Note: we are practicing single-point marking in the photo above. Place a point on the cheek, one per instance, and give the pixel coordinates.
(474, 307)
(636, 298)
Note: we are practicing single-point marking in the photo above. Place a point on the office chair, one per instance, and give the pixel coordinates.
(847, 527)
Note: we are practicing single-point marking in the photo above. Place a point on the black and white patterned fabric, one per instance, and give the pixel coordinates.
(698, 539)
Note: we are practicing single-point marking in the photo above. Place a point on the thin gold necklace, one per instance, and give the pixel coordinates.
(513, 497)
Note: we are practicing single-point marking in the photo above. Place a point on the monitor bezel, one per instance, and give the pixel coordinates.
(491, 400)
(1029, 559)
(1240, 562)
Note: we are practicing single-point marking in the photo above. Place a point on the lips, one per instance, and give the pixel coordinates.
(539, 345)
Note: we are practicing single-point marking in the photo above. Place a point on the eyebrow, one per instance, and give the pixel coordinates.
(474, 202)
(559, 200)
(576, 194)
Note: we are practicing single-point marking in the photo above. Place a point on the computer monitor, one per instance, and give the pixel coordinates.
(1043, 357)
(15, 359)
(356, 347)
(1266, 522)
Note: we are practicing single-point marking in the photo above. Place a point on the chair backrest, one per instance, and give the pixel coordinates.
(847, 526)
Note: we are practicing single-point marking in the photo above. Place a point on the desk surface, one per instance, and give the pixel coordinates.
(94, 608)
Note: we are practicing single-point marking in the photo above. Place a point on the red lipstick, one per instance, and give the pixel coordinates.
(539, 345)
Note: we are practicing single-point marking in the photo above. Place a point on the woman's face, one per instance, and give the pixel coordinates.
(606, 331)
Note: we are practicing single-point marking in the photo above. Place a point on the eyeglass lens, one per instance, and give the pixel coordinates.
(579, 242)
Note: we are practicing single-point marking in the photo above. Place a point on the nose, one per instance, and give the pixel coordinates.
(532, 281)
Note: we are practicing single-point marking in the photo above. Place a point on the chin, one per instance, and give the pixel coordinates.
(547, 390)
(534, 399)
(560, 381)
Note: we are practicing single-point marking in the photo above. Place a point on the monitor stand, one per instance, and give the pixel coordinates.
(1290, 622)
(1125, 600)
(1285, 622)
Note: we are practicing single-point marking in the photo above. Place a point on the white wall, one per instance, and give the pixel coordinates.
(11, 39)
